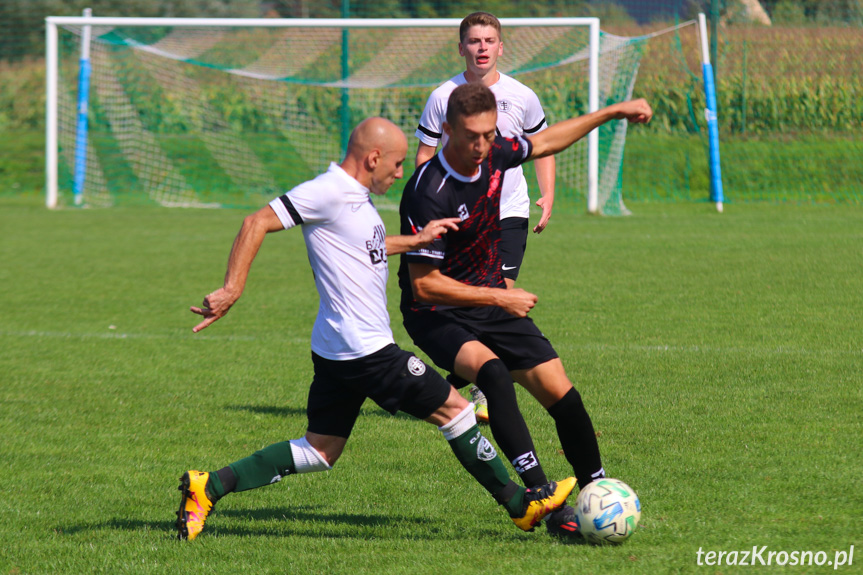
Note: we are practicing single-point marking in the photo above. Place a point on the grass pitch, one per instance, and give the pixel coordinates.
(719, 355)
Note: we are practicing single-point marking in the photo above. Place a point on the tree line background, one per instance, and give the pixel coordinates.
(22, 21)
(793, 85)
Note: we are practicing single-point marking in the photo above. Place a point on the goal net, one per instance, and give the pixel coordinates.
(232, 113)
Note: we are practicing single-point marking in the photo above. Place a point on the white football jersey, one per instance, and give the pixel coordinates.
(346, 244)
(519, 113)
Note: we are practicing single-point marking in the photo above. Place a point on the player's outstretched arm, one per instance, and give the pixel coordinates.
(431, 286)
(246, 245)
(563, 134)
(402, 244)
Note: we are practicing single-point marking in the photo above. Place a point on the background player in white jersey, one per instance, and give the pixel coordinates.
(519, 113)
(354, 354)
(455, 304)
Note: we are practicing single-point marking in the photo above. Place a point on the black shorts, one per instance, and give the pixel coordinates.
(393, 378)
(513, 243)
(515, 340)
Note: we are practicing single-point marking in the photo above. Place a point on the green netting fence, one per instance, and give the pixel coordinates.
(790, 93)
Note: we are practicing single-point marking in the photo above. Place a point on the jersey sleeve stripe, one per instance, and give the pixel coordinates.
(536, 128)
(429, 133)
(295, 215)
(424, 254)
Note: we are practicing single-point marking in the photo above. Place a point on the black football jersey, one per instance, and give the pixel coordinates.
(436, 191)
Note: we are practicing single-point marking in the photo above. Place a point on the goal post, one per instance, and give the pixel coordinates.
(229, 112)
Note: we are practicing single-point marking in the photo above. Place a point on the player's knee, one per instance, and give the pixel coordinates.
(455, 403)
(548, 383)
(494, 378)
(568, 405)
(461, 423)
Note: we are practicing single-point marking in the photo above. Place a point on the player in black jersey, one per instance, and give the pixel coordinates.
(455, 303)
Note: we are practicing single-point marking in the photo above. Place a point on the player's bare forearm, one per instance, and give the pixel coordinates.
(245, 248)
(402, 244)
(562, 135)
(431, 286)
(424, 153)
(545, 176)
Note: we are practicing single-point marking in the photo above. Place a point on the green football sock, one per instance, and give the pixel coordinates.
(263, 467)
(478, 456)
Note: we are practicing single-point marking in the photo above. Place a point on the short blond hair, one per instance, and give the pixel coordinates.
(479, 19)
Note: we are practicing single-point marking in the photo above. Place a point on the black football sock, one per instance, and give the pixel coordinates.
(220, 483)
(507, 424)
(575, 430)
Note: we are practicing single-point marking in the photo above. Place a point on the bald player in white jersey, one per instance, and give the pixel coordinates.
(353, 351)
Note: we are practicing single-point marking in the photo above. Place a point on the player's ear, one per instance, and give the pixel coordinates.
(373, 159)
(447, 129)
(460, 50)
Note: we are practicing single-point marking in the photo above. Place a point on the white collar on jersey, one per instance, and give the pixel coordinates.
(455, 174)
(355, 185)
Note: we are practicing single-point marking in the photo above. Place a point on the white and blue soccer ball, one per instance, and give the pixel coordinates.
(608, 511)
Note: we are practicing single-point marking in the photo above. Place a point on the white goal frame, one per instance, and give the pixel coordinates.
(52, 71)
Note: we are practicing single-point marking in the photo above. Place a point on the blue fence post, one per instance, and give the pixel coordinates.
(716, 195)
(83, 99)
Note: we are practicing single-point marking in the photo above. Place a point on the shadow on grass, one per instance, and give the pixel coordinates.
(314, 515)
(121, 524)
(308, 522)
(366, 411)
(566, 540)
(268, 410)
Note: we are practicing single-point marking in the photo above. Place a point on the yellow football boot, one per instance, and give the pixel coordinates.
(480, 404)
(540, 501)
(195, 506)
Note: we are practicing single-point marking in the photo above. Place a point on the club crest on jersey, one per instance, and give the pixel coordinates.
(463, 213)
(503, 105)
(377, 246)
(416, 366)
(493, 183)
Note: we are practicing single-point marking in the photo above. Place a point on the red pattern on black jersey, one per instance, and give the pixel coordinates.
(494, 183)
(471, 254)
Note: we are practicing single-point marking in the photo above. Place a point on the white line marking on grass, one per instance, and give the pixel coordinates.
(144, 336)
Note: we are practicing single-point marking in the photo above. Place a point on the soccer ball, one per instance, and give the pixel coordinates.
(608, 511)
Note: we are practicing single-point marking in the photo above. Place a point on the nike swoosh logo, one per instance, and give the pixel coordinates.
(507, 268)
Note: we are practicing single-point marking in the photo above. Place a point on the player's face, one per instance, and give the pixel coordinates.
(389, 167)
(480, 48)
(470, 139)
